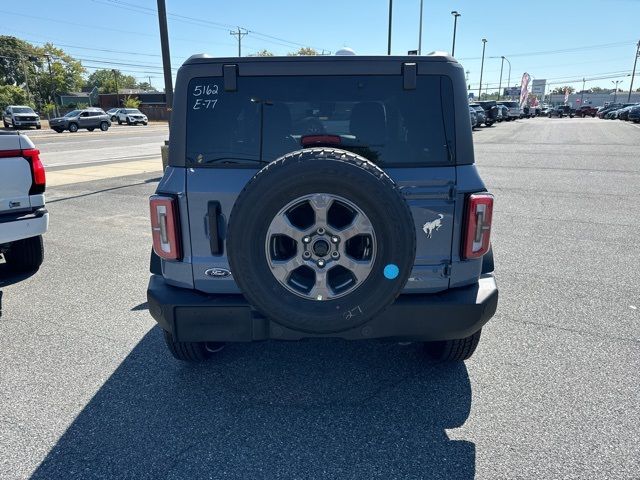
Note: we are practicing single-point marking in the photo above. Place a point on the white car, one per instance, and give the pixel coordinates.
(23, 216)
(17, 116)
(131, 116)
(112, 113)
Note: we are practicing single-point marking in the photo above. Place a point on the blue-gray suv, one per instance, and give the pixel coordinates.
(321, 197)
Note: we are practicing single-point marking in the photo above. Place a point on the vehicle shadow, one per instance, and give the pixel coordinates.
(315, 409)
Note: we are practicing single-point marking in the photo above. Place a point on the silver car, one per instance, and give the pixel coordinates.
(17, 116)
(89, 118)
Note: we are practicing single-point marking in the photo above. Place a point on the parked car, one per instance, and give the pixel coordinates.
(89, 118)
(504, 113)
(480, 114)
(285, 219)
(473, 116)
(23, 216)
(586, 111)
(20, 116)
(514, 108)
(623, 113)
(112, 114)
(490, 111)
(561, 111)
(609, 108)
(634, 114)
(131, 116)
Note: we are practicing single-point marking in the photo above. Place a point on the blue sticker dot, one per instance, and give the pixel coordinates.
(391, 271)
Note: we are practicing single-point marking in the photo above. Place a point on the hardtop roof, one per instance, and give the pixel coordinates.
(203, 58)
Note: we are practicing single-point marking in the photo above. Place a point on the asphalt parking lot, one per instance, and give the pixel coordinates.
(88, 390)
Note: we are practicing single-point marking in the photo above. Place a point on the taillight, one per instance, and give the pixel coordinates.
(478, 225)
(165, 227)
(37, 170)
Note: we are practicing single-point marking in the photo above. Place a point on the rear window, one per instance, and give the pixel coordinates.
(268, 117)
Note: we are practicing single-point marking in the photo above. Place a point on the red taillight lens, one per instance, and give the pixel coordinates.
(165, 227)
(37, 170)
(478, 231)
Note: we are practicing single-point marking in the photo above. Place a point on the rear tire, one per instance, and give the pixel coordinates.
(453, 350)
(191, 351)
(128, 121)
(119, 122)
(104, 126)
(73, 127)
(25, 255)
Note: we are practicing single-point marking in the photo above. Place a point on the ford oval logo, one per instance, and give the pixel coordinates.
(217, 272)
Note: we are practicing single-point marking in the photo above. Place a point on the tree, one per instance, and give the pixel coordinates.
(60, 73)
(262, 53)
(600, 90)
(131, 102)
(146, 86)
(561, 90)
(12, 95)
(105, 80)
(304, 51)
(16, 58)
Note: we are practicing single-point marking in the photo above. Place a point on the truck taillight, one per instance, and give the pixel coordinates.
(478, 225)
(37, 170)
(165, 227)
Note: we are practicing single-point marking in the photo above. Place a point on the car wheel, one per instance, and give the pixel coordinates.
(58, 130)
(104, 126)
(119, 122)
(38, 127)
(73, 127)
(191, 351)
(549, 115)
(4, 122)
(453, 350)
(316, 232)
(91, 129)
(113, 119)
(144, 123)
(128, 121)
(25, 255)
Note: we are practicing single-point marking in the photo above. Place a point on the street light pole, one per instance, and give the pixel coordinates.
(115, 75)
(455, 23)
(420, 30)
(166, 55)
(582, 94)
(484, 44)
(389, 33)
(635, 62)
(500, 84)
(615, 93)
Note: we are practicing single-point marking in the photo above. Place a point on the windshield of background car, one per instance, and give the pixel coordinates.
(22, 110)
(373, 116)
(73, 113)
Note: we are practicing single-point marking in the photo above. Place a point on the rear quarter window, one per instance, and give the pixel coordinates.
(267, 117)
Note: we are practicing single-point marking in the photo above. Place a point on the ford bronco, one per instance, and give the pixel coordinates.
(321, 197)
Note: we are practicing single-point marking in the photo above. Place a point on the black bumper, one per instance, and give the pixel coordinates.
(197, 317)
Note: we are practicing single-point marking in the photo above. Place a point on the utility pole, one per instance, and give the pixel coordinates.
(615, 94)
(455, 23)
(239, 33)
(582, 94)
(635, 62)
(52, 88)
(389, 35)
(500, 84)
(115, 75)
(484, 44)
(26, 79)
(420, 31)
(166, 55)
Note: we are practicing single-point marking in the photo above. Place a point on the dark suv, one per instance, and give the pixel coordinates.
(89, 118)
(321, 197)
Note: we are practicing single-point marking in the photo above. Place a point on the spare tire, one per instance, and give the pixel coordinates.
(321, 240)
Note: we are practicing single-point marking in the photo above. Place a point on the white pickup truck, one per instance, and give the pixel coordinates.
(23, 216)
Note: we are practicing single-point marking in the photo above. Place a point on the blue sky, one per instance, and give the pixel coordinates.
(559, 41)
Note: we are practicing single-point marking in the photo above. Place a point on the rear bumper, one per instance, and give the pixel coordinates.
(25, 225)
(197, 317)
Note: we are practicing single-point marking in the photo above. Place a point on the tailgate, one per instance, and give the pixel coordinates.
(15, 176)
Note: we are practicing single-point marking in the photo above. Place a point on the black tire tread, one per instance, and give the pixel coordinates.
(186, 351)
(454, 350)
(26, 255)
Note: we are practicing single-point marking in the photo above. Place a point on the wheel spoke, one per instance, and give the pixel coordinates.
(321, 204)
(321, 290)
(282, 226)
(359, 226)
(359, 268)
(281, 269)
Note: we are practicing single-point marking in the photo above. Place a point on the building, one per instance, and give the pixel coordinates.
(594, 99)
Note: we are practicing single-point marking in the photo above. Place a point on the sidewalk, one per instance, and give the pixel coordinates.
(99, 172)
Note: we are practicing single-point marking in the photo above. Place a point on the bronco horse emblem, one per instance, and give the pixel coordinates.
(433, 226)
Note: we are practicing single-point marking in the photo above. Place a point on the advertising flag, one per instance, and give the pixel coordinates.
(566, 95)
(524, 89)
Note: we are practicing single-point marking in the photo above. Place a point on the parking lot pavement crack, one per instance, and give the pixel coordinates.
(613, 338)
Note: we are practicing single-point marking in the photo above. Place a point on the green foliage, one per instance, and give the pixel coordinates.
(105, 80)
(560, 90)
(146, 86)
(262, 53)
(81, 106)
(12, 95)
(48, 108)
(304, 51)
(131, 102)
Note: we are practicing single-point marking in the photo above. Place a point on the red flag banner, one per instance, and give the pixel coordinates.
(566, 95)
